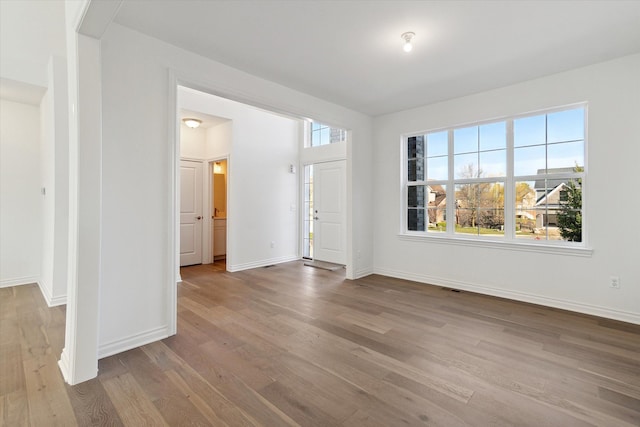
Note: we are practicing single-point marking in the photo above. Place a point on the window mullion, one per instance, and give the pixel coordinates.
(509, 187)
(451, 191)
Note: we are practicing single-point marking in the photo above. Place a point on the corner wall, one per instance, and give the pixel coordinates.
(612, 90)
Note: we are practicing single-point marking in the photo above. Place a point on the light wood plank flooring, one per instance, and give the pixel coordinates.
(292, 345)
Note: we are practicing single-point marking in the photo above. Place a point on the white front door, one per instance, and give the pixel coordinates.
(330, 212)
(190, 212)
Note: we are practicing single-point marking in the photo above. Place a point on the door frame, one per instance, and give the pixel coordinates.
(208, 189)
(188, 80)
(301, 216)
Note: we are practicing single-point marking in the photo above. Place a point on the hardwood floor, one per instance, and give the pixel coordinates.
(294, 345)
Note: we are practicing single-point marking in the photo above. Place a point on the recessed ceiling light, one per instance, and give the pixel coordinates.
(408, 37)
(192, 123)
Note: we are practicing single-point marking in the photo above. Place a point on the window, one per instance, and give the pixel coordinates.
(514, 179)
(321, 134)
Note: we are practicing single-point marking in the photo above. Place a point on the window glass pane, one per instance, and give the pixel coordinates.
(491, 222)
(415, 170)
(480, 208)
(415, 147)
(437, 220)
(529, 160)
(565, 155)
(465, 140)
(415, 196)
(493, 163)
(466, 165)
(437, 212)
(415, 219)
(565, 125)
(437, 144)
(525, 210)
(569, 212)
(337, 135)
(493, 136)
(529, 131)
(437, 168)
(324, 136)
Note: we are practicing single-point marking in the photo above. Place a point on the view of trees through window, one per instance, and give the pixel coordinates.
(519, 178)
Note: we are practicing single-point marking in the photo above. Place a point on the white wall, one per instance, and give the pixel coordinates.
(20, 197)
(260, 188)
(55, 163)
(193, 142)
(612, 90)
(30, 32)
(219, 140)
(47, 153)
(136, 250)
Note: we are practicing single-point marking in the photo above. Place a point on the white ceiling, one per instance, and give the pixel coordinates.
(208, 121)
(350, 52)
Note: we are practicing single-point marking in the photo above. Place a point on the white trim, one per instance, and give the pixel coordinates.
(18, 281)
(262, 263)
(56, 301)
(545, 247)
(210, 209)
(363, 272)
(173, 268)
(593, 310)
(133, 341)
(48, 297)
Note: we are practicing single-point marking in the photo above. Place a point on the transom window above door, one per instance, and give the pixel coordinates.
(321, 134)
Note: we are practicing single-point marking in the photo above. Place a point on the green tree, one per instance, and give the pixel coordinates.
(570, 212)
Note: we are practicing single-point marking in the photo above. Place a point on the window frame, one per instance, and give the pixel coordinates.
(509, 239)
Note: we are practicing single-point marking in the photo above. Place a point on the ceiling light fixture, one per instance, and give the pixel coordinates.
(407, 37)
(192, 123)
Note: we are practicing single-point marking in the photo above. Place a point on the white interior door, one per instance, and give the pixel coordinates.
(330, 212)
(190, 212)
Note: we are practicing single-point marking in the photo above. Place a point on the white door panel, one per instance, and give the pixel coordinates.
(190, 212)
(330, 213)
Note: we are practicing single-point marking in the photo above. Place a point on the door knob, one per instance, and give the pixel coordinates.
(198, 217)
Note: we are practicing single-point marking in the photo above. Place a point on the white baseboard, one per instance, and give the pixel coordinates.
(63, 364)
(17, 281)
(71, 376)
(48, 297)
(133, 341)
(593, 310)
(364, 272)
(261, 263)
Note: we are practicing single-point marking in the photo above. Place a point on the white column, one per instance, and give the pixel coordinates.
(79, 359)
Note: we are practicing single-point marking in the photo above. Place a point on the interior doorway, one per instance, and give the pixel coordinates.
(219, 187)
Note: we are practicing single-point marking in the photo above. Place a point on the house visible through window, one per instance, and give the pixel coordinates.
(514, 179)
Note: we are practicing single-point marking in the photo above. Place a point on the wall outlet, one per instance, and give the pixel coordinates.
(273, 245)
(614, 282)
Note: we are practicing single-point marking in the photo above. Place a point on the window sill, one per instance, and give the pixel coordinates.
(542, 247)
